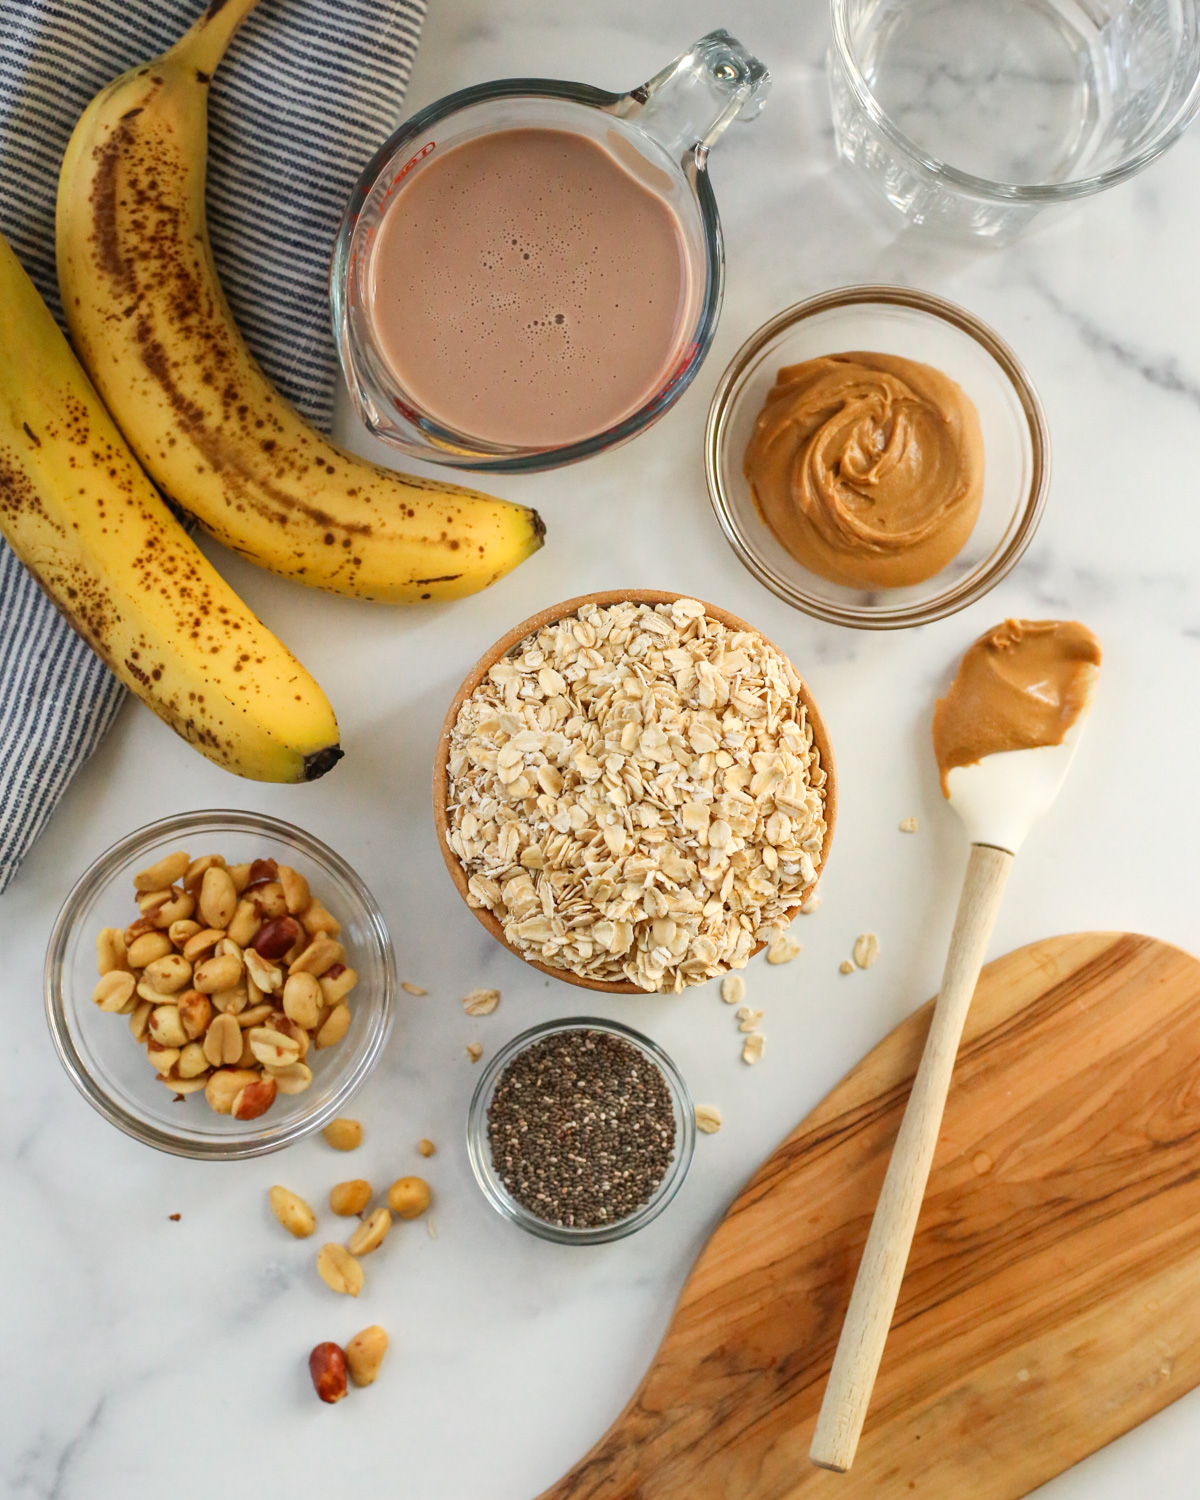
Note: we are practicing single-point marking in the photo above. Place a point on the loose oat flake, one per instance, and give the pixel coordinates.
(733, 989)
(412, 989)
(708, 1119)
(481, 1002)
(783, 950)
(866, 950)
(634, 792)
(908, 825)
(845, 967)
(474, 1051)
(752, 1047)
(749, 1018)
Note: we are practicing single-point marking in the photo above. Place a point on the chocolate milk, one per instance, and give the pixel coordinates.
(527, 289)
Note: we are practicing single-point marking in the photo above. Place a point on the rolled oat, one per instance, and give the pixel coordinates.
(634, 793)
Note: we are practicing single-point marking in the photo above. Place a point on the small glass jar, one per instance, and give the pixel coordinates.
(110, 1069)
(932, 331)
(479, 1147)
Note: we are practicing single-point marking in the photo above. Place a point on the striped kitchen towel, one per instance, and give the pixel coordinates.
(307, 91)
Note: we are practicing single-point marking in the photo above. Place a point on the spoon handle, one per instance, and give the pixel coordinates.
(881, 1269)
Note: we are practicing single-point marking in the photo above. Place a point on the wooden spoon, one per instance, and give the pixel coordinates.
(999, 799)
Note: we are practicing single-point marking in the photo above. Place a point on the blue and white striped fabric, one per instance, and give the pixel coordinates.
(308, 90)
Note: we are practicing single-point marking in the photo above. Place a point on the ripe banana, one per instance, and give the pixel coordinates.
(89, 525)
(152, 326)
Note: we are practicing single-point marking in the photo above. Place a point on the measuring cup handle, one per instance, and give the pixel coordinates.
(687, 106)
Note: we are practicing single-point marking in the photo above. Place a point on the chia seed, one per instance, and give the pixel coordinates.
(581, 1129)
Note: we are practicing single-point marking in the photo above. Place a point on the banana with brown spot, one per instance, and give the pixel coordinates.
(84, 519)
(151, 324)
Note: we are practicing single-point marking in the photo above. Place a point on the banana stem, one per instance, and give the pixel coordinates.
(204, 45)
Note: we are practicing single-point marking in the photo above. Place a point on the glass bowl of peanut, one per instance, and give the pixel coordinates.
(219, 984)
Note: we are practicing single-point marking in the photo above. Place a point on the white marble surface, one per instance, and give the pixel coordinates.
(145, 1356)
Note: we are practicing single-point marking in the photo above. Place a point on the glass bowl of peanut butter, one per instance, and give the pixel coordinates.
(877, 457)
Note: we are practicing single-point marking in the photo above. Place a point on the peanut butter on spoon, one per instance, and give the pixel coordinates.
(867, 467)
(1022, 684)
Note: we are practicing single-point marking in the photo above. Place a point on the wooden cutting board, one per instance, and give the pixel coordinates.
(1052, 1299)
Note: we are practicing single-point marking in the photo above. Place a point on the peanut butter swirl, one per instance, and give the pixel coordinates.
(867, 467)
(1021, 685)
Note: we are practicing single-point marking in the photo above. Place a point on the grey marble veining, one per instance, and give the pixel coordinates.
(147, 1356)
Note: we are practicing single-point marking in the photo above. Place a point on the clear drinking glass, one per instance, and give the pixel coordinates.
(661, 131)
(973, 115)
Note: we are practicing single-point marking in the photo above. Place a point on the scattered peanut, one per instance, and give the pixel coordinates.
(327, 1367)
(364, 1354)
(426, 1147)
(348, 1199)
(908, 825)
(371, 1233)
(339, 1270)
(343, 1134)
(474, 1051)
(408, 1197)
(292, 1212)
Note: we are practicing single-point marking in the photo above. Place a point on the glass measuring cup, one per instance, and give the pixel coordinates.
(661, 132)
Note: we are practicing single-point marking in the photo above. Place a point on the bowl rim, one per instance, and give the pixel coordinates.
(484, 1169)
(548, 616)
(967, 592)
(98, 874)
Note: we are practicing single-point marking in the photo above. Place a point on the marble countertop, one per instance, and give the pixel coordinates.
(150, 1354)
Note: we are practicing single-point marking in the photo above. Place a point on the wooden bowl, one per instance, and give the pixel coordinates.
(502, 648)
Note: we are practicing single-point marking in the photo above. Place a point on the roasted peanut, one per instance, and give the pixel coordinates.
(255, 1099)
(248, 1059)
(364, 1354)
(218, 899)
(408, 1197)
(180, 1085)
(150, 901)
(343, 1134)
(168, 974)
(161, 1059)
(223, 1041)
(115, 992)
(194, 874)
(255, 1015)
(276, 937)
(166, 872)
(320, 954)
(247, 919)
(182, 931)
(272, 1048)
(425, 1146)
(147, 949)
(192, 1061)
(295, 889)
(139, 1020)
(178, 909)
(216, 974)
(270, 900)
(262, 872)
(327, 1367)
(336, 983)
(166, 1028)
(334, 1027)
(371, 1233)
(293, 1080)
(339, 1270)
(195, 1012)
(240, 875)
(288, 1028)
(350, 1198)
(110, 950)
(201, 942)
(137, 929)
(232, 1002)
(265, 975)
(302, 999)
(317, 919)
(292, 1212)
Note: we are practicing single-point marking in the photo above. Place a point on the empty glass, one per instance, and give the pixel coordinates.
(973, 115)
